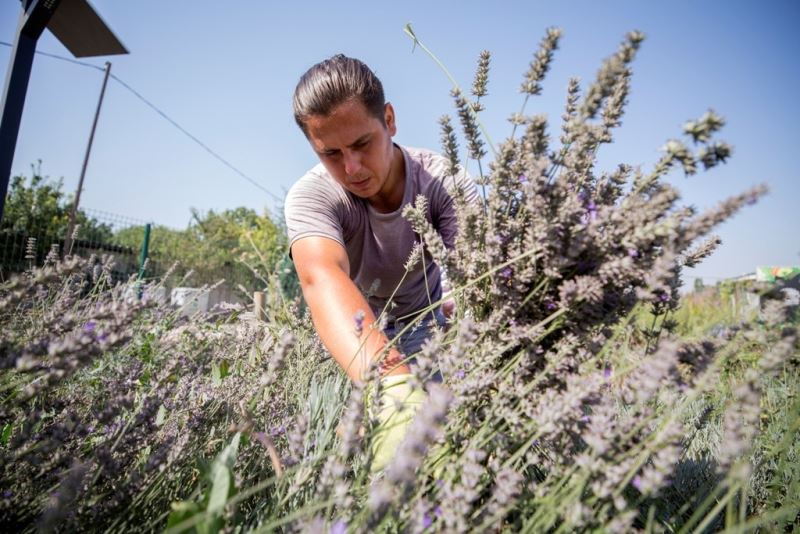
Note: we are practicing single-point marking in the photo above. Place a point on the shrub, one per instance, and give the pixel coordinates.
(557, 412)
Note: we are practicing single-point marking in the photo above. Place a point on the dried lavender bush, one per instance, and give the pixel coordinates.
(114, 406)
(760, 361)
(559, 253)
(549, 419)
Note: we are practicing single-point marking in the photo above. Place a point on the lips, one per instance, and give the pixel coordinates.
(361, 183)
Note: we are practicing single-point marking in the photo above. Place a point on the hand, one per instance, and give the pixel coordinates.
(448, 308)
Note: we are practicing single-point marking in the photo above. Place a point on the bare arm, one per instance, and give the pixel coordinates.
(334, 300)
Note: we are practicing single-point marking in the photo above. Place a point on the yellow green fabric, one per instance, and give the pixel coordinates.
(394, 411)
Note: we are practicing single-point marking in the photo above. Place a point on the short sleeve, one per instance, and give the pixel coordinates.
(311, 210)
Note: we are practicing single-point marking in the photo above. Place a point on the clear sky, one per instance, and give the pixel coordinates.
(225, 71)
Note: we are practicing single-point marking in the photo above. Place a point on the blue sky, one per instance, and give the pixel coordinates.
(225, 71)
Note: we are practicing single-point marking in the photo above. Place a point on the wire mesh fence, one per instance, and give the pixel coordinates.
(194, 257)
(26, 241)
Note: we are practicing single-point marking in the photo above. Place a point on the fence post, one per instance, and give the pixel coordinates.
(145, 250)
(143, 259)
(260, 305)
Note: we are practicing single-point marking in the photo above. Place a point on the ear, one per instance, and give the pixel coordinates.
(389, 118)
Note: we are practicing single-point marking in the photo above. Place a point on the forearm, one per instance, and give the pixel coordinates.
(334, 301)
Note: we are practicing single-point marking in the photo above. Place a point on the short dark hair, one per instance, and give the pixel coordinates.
(335, 81)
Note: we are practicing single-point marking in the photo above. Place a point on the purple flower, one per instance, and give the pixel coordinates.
(340, 527)
(437, 511)
(427, 521)
(585, 419)
(358, 318)
(89, 327)
(637, 482)
(591, 210)
(664, 297)
(633, 253)
(523, 178)
(461, 373)
(507, 272)
(7, 494)
(113, 427)
(550, 306)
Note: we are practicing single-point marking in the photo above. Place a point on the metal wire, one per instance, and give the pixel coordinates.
(26, 241)
(166, 117)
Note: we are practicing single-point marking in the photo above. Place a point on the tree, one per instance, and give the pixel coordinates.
(36, 207)
(237, 244)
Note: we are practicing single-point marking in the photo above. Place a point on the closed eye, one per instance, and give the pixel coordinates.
(358, 145)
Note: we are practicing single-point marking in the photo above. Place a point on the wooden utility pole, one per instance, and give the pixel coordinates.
(71, 228)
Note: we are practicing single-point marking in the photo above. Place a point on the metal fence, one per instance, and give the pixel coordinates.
(27, 244)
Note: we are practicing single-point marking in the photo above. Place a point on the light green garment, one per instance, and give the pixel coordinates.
(397, 405)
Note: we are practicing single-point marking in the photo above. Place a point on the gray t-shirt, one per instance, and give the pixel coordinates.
(378, 244)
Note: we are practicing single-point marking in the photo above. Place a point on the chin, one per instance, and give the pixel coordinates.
(364, 192)
(361, 194)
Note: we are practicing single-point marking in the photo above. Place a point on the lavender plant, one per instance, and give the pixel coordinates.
(113, 404)
(558, 410)
(558, 254)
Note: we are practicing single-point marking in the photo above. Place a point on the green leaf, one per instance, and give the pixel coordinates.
(181, 511)
(253, 356)
(410, 32)
(144, 454)
(144, 379)
(219, 371)
(161, 416)
(5, 436)
(222, 487)
(211, 525)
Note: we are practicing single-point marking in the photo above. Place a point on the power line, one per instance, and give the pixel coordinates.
(163, 115)
(195, 139)
(62, 58)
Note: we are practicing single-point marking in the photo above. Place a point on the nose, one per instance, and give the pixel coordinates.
(352, 162)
